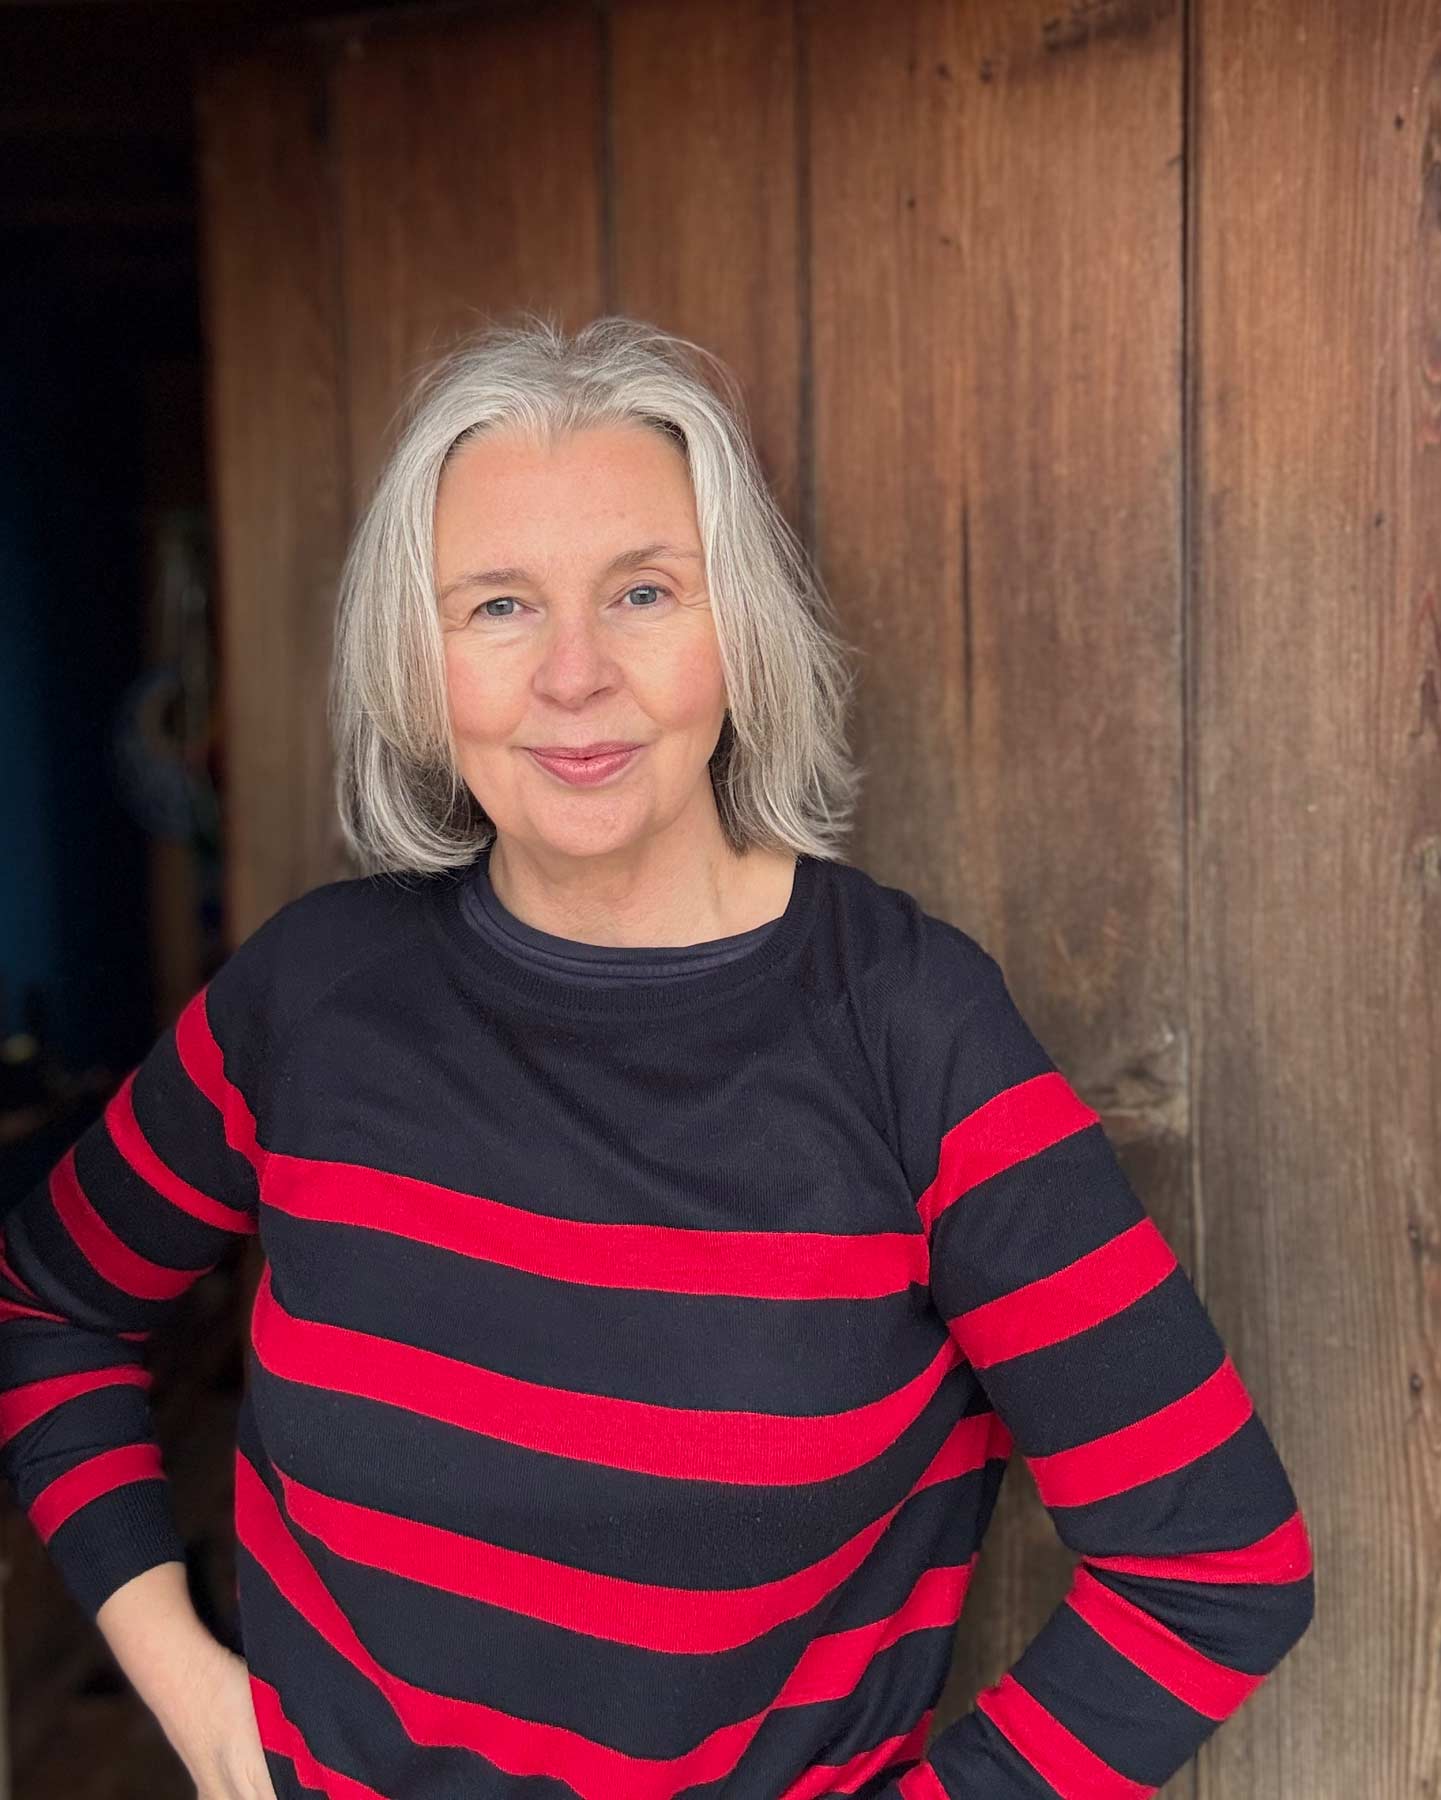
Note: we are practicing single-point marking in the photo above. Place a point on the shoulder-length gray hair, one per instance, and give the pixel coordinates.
(781, 771)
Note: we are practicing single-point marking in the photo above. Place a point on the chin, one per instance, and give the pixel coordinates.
(586, 837)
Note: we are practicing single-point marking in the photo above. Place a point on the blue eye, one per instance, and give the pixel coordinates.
(641, 587)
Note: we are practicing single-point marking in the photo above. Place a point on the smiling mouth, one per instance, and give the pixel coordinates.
(586, 770)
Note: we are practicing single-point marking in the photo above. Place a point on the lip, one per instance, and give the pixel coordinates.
(586, 770)
(601, 747)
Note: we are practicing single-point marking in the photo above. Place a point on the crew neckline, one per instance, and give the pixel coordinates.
(491, 917)
(558, 992)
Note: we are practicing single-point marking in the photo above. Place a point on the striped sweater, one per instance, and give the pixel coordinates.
(633, 1368)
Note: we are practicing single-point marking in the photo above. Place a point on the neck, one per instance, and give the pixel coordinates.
(651, 893)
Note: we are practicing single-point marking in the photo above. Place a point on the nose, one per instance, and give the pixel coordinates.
(575, 662)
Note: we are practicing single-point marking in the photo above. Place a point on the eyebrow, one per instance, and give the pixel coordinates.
(627, 559)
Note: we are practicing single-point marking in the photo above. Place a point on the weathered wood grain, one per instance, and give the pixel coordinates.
(1315, 866)
(467, 183)
(705, 236)
(996, 301)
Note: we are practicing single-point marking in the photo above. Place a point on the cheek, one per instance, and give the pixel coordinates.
(478, 704)
(686, 686)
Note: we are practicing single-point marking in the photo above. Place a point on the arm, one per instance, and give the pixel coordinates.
(197, 1689)
(1099, 1357)
(95, 1258)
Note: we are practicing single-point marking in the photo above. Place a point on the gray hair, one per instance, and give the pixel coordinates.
(781, 772)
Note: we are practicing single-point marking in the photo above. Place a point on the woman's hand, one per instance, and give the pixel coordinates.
(198, 1689)
(223, 1753)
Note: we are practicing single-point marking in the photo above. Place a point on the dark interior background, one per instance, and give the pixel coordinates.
(111, 856)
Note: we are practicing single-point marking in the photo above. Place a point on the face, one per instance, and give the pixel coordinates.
(574, 612)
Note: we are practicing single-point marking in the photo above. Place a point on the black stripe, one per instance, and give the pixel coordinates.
(1245, 1625)
(1157, 1349)
(1232, 1494)
(1032, 1219)
(1141, 1730)
(675, 1532)
(714, 1352)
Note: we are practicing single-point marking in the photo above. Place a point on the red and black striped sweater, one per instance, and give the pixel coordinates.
(634, 1367)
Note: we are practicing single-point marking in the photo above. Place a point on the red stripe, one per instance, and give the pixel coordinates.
(1013, 1125)
(518, 1747)
(17, 1309)
(833, 1665)
(132, 1144)
(87, 1481)
(7, 1270)
(111, 1258)
(767, 1449)
(1093, 1288)
(279, 1735)
(1282, 1555)
(846, 1777)
(671, 1259)
(921, 1783)
(1209, 1686)
(14, 1309)
(1159, 1444)
(204, 1062)
(1055, 1753)
(21, 1406)
(687, 1620)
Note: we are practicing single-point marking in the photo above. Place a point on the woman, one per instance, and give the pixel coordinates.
(668, 1228)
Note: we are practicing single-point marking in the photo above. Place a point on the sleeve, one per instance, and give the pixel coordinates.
(95, 1257)
(1194, 1575)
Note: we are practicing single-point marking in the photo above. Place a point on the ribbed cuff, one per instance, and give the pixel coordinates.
(113, 1538)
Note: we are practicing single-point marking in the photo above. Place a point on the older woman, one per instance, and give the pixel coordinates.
(668, 1228)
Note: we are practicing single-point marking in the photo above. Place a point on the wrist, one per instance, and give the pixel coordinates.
(184, 1701)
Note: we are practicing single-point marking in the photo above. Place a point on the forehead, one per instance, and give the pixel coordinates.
(591, 506)
(501, 488)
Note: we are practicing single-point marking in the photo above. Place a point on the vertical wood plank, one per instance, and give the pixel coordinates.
(468, 176)
(1316, 878)
(275, 423)
(703, 195)
(996, 294)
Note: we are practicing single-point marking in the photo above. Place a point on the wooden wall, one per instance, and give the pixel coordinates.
(1095, 348)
